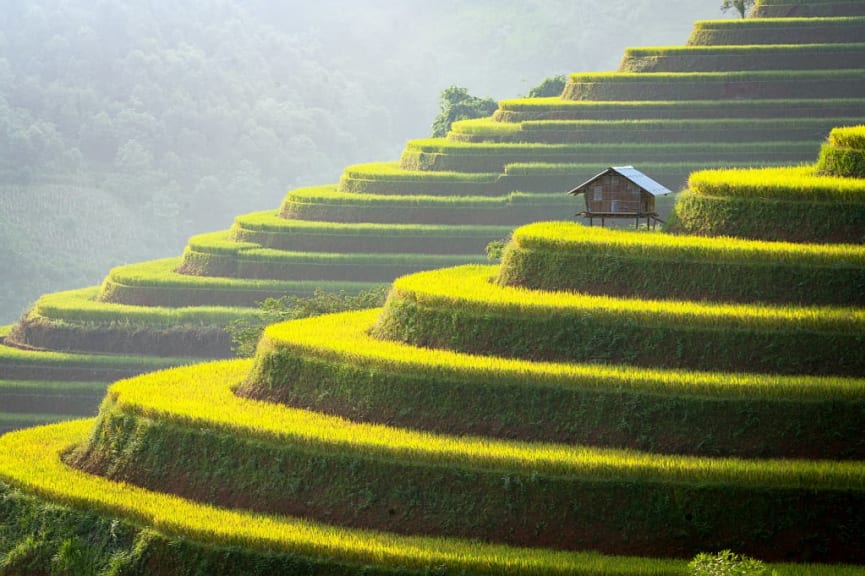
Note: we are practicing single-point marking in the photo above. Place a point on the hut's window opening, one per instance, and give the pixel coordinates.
(598, 193)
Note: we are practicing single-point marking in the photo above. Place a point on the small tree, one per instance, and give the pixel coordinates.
(456, 103)
(495, 249)
(552, 86)
(727, 563)
(741, 6)
(246, 333)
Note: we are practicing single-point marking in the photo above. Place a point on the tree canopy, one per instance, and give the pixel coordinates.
(455, 103)
(741, 6)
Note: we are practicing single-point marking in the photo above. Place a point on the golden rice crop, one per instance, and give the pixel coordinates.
(19, 357)
(783, 23)
(392, 171)
(798, 184)
(472, 286)
(203, 396)
(270, 222)
(32, 461)
(344, 338)
(332, 196)
(82, 306)
(715, 77)
(848, 137)
(557, 103)
(572, 236)
(444, 146)
(755, 50)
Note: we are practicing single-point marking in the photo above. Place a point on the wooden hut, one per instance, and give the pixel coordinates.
(621, 192)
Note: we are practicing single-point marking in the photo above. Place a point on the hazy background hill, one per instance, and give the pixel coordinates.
(126, 126)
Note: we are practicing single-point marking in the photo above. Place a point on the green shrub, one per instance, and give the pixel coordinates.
(844, 153)
(848, 137)
(455, 103)
(550, 86)
(726, 563)
(246, 332)
(842, 162)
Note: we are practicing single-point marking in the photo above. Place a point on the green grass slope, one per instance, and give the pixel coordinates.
(489, 419)
(447, 198)
(752, 31)
(807, 8)
(489, 413)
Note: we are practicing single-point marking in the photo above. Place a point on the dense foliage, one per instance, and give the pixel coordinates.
(741, 6)
(245, 332)
(455, 103)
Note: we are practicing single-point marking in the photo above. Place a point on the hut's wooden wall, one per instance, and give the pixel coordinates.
(614, 194)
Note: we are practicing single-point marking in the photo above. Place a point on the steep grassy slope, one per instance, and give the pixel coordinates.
(751, 102)
(493, 420)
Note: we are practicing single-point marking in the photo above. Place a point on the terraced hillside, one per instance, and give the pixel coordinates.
(603, 402)
(749, 92)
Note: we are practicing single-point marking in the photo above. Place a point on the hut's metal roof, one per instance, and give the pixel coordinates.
(644, 182)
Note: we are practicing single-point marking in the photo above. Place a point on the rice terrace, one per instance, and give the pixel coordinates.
(591, 400)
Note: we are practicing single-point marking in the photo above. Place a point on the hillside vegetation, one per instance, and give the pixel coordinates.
(601, 402)
(442, 420)
(159, 122)
(446, 198)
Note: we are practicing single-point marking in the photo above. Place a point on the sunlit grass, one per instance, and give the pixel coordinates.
(848, 137)
(270, 222)
(76, 306)
(12, 356)
(559, 168)
(284, 257)
(202, 396)
(794, 184)
(161, 274)
(51, 386)
(756, 50)
(782, 23)
(571, 236)
(331, 196)
(344, 339)
(487, 126)
(558, 103)
(716, 77)
(391, 171)
(31, 461)
(445, 146)
(470, 286)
